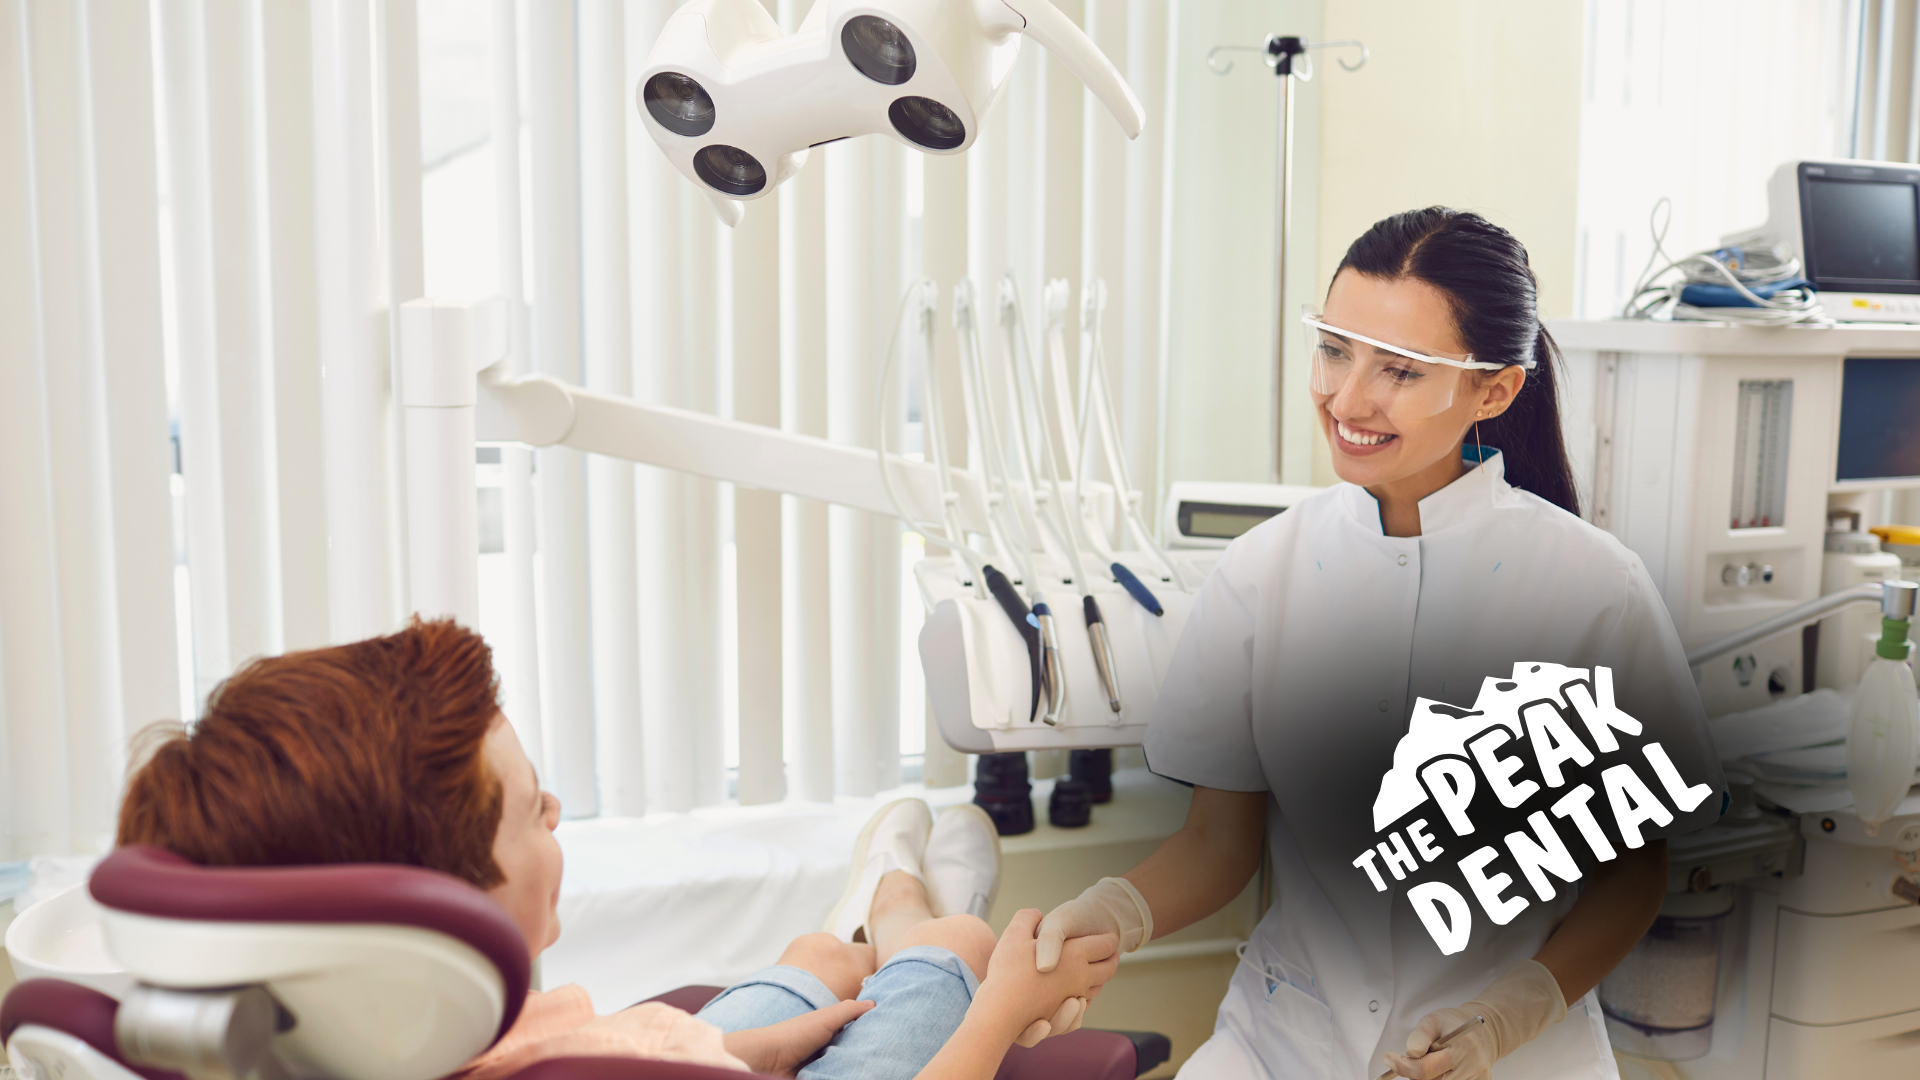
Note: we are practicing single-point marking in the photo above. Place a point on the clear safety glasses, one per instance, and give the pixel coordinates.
(1400, 383)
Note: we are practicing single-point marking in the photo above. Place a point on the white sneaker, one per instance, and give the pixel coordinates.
(963, 862)
(895, 838)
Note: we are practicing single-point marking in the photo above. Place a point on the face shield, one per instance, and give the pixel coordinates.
(1400, 383)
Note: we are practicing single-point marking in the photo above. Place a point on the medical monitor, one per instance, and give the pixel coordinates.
(1879, 422)
(1855, 226)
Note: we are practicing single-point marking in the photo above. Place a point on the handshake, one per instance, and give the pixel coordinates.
(1111, 907)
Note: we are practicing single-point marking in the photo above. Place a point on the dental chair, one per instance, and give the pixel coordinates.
(345, 972)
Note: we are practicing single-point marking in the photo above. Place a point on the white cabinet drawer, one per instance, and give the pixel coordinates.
(1887, 1047)
(1835, 969)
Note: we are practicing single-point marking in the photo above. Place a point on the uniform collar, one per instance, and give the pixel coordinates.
(1454, 504)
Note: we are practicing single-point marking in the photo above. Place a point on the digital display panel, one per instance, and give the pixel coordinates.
(1860, 232)
(1879, 419)
(1218, 521)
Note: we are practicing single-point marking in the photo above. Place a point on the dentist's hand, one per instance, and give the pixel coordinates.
(1111, 906)
(1518, 1006)
(1049, 1002)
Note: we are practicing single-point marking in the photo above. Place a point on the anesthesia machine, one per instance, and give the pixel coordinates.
(1735, 438)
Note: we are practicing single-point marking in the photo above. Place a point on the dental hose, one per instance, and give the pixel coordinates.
(1027, 395)
(1035, 623)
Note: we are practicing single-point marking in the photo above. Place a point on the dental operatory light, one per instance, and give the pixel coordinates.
(736, 104)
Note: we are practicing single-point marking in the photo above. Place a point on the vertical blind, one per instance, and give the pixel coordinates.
(209, 207)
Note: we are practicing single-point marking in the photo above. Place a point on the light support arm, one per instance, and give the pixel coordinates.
(541, 411)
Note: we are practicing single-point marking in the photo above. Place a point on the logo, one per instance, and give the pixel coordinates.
(1546, 752)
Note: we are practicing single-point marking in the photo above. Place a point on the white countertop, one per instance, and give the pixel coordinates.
(1704, 338)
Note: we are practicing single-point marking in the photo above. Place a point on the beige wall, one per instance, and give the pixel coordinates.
(1467, 103)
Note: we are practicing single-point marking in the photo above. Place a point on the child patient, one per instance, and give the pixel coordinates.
(394, 750)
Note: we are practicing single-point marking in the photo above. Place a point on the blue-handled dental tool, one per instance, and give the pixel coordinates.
(1139, 590)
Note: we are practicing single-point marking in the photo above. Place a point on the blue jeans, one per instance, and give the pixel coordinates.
(922, 993)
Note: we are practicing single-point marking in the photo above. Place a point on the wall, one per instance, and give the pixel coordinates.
(1655, 123)
(1218, 420)
(1473, 104)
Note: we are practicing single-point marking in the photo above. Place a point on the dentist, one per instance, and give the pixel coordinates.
(1452, 551)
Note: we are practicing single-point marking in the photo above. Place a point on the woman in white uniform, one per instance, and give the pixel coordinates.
(1452, 552)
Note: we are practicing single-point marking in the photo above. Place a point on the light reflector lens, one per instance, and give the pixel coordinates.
(678, 103)
(878, 48)
(926, 122)
(729, 170)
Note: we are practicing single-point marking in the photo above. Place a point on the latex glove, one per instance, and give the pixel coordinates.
(1518, 1006)
(1111, 906)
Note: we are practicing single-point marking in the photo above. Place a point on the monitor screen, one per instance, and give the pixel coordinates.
(1861, 232)
(1879, 419)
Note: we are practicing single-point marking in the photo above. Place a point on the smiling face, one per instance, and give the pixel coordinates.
(524, 846)
(1406, 454)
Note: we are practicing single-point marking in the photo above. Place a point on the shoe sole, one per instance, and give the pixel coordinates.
(858, 870)
(986, 821)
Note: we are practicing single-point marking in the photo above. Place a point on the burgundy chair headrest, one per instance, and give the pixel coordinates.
(80, 1011)
(152, 881)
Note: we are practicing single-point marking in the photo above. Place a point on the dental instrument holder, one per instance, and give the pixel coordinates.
(1289, 58)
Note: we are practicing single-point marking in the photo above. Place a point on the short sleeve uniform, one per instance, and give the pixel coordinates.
(1297, 674)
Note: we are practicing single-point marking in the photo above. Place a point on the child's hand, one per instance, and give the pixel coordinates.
(1020, 997)
(780, 1049)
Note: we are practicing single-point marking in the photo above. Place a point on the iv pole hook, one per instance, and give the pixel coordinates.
(1276, 47)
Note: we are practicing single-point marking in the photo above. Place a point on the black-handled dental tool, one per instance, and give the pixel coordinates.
(1102, 650)
(1017, 611)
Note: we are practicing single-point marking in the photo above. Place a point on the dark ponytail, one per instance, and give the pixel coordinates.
(1484, 274)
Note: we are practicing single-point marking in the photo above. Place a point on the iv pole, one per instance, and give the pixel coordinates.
(1290, 60)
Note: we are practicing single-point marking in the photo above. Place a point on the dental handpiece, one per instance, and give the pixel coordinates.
(1042, 619)
(1102, 651)
(1441, 1044)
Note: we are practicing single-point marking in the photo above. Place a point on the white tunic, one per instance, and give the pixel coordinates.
(1296, 675)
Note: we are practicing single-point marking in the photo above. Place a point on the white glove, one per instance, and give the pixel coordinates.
(1111, 906)
(1518, 1006)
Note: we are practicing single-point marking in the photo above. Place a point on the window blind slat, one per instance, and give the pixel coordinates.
(356, 408)
(566, 641)
(808, 654)
(76, 423)
(126, 204)
(609, 368)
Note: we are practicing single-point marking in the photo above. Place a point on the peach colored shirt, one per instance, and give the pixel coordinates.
(561, 1023)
